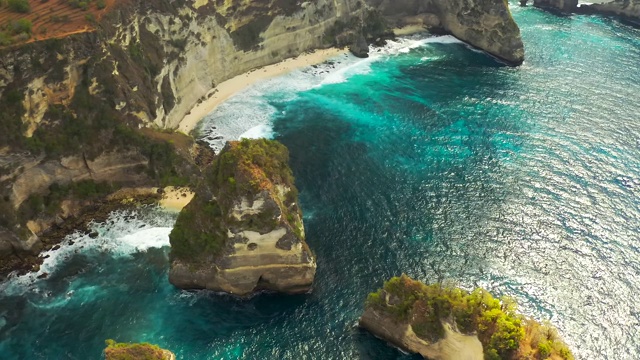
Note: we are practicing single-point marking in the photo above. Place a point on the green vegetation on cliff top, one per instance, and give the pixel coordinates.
(242, 169)
(503, 333)
(132, 351)
(247, 167)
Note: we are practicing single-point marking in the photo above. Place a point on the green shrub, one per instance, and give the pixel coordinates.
(5, 39)
(544, 349)
(21, 26)
(500, 330)
(101, 4)
(128, 351)
(21, 6)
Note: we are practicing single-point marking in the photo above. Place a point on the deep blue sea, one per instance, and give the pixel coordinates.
(430, 159)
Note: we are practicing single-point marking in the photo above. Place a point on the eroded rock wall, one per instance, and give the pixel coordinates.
(453, 346)
(81, 97)
(243, 231)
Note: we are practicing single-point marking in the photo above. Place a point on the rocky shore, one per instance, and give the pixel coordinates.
(96, 108)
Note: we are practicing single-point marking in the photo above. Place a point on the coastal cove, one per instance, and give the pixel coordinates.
(429, 158)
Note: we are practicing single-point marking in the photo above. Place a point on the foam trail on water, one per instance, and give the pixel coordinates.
(122, 234)
(248, 114)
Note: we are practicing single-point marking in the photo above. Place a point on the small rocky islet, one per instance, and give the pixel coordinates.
(444, 322)
(243, 231)
(135, 351)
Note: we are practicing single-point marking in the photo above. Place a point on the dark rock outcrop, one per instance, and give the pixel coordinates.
(565, 6)
(359, 47)
(243, 230)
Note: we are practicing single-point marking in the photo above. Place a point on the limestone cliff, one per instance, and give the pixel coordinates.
(72, 108)
(485, 24)
(452, 346)
(243, 230)
(628, 10)
(446, 323)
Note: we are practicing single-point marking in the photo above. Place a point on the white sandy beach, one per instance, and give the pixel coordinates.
(234, 85)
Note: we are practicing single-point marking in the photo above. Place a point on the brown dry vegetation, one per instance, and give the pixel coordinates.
(56, 18)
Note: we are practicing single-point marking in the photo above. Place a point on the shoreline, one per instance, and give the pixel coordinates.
(230, 87)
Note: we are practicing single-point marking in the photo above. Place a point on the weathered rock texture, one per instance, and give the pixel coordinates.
(72, 107)
(446, 323)
(243, 231)
(628, 10)
(454, 346)
(485, 24)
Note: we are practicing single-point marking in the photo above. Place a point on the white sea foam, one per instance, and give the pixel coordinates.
(249, 114)
(257, 132)
(122, 234)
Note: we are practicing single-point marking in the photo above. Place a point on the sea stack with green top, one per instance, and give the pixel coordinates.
(243, 230)
(136, 351)
(443, 322)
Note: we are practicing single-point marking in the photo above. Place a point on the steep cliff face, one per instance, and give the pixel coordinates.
(446, 323)
(628, 10)
(452, 346)
(153, 61)
(243, 230)
(70, 105)
(485, 24)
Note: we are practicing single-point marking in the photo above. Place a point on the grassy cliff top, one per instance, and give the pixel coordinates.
(247, 167)
(243, 169)
(132, 351)
(504, 334)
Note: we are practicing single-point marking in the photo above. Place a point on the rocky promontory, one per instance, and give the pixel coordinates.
(136, 351)
(243, 230)
(93, 106)
(627, 10)
(445, 323)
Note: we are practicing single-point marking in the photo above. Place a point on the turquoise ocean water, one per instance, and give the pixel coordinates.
(430, 159)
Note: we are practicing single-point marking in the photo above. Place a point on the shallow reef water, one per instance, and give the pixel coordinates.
(430, 159)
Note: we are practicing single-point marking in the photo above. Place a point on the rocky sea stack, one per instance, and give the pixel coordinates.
(141, 351)
(243, 230)
(443, 322)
